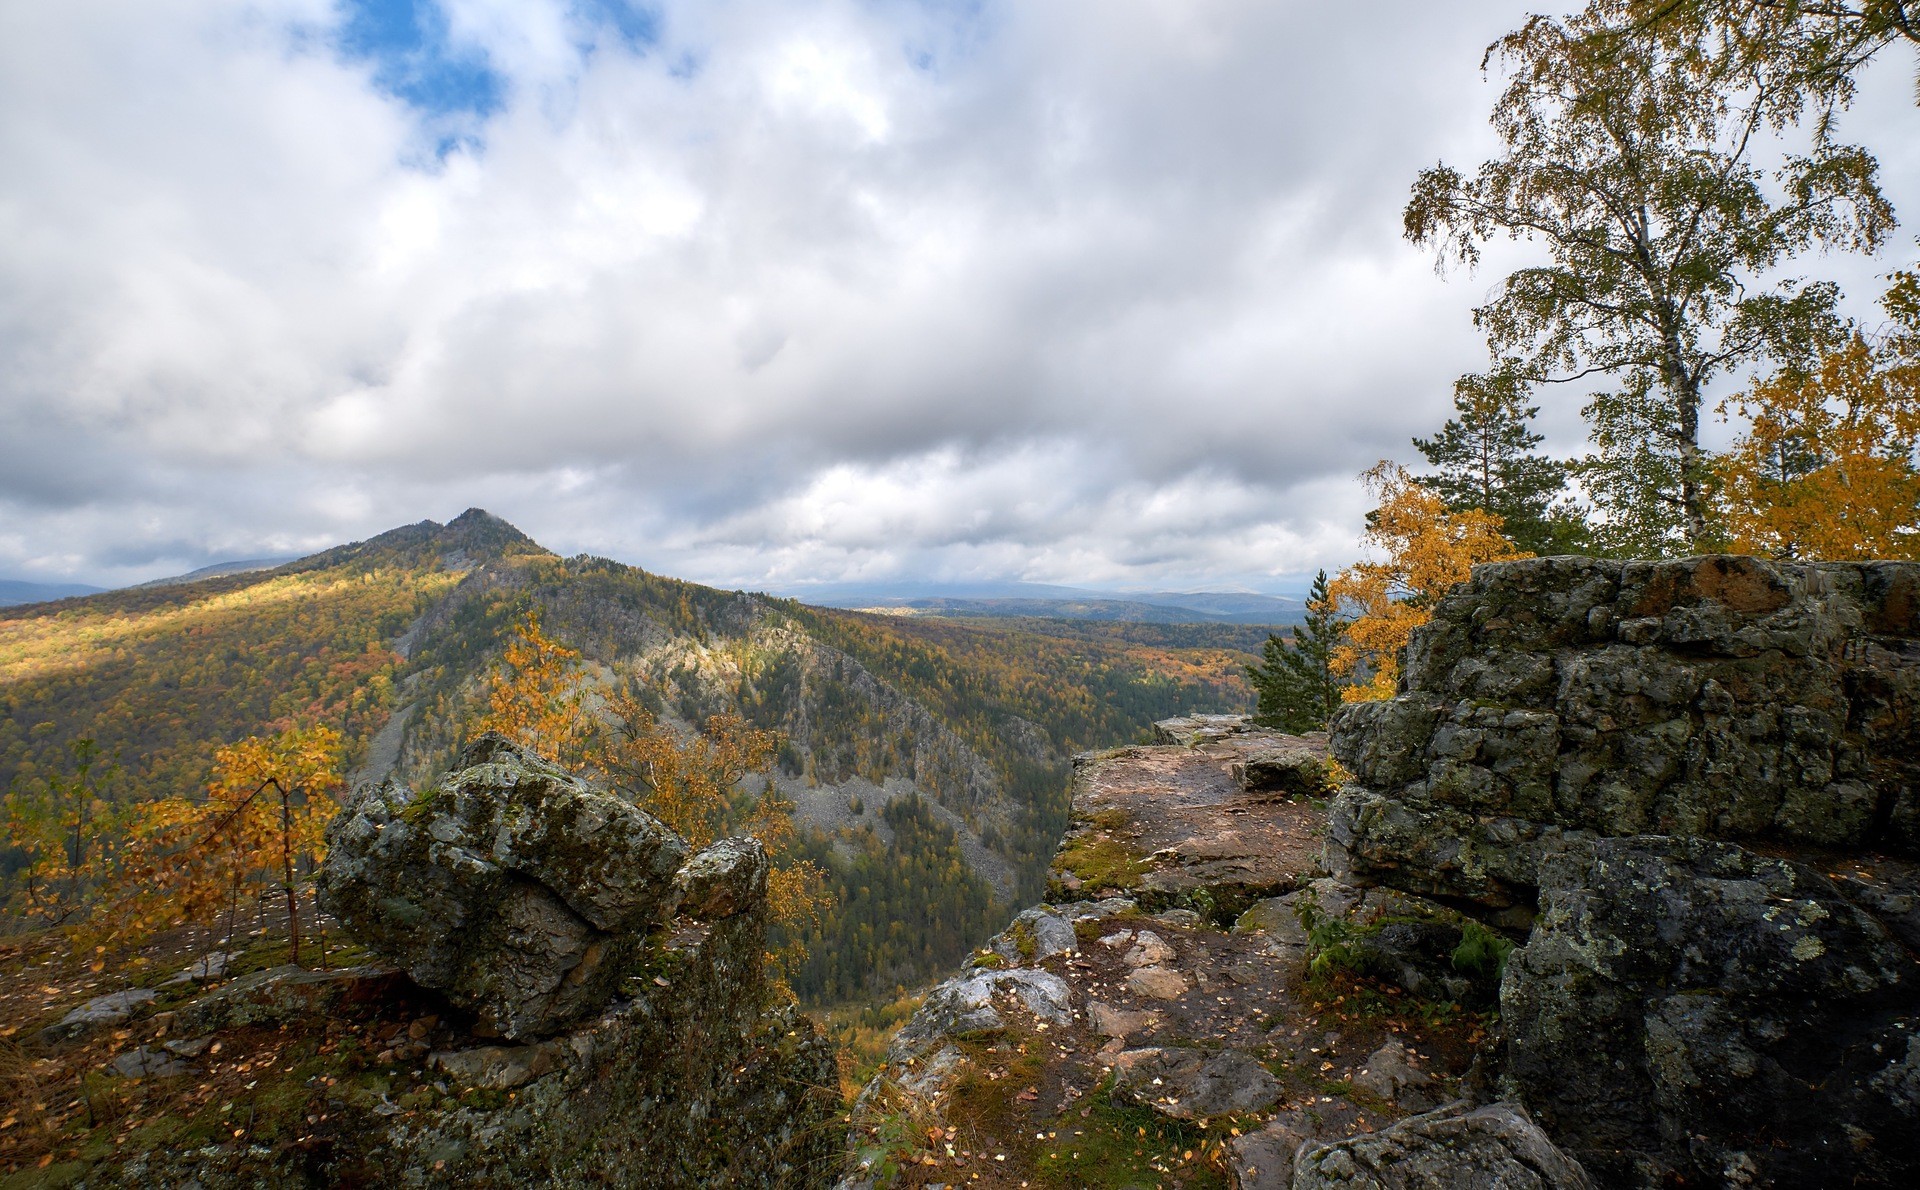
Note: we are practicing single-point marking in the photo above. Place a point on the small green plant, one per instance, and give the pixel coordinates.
(1332, 944)
(1482, 953)
(419, 807)
(1021, 935)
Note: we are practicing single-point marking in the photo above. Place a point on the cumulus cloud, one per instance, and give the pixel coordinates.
(758, 292)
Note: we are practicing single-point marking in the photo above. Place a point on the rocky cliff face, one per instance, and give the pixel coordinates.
(571, 1000)
(1693, 790)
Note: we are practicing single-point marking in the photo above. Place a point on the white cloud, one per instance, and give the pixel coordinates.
(1062, 289)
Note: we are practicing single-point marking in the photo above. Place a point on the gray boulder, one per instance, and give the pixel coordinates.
(1286, 772)
(281, 994)
(1496, 1147)
(1035, 936)
(967, 1005)
(101, 1012)
(515, 889)
(146, 1063)
(1263, 1159)
(725, 879)
(1391, 1074)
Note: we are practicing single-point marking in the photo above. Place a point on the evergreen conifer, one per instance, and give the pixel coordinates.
(1486, 459)
(1297, 687)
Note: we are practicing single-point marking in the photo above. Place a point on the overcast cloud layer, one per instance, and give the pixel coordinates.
(754, 292)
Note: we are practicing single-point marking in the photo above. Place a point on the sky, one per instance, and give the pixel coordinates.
(759, 293)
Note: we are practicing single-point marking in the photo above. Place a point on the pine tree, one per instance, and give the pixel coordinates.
(1486, 459)
(1298, 690)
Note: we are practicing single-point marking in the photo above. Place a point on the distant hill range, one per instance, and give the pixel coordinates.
(14, 592)
(1066, 603)
(929, 756)
(219, 570)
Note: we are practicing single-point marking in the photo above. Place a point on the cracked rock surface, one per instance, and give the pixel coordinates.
(1179, 1037)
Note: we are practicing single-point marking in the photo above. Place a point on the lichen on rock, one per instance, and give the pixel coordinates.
(555, 1020)
(1694, 784)
(512, 887)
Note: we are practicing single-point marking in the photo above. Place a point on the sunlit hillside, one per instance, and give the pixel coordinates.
(928, 757)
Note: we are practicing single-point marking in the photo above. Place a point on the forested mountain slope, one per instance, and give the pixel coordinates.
(929, 756)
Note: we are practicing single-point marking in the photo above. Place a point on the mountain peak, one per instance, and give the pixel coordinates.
(482, 535)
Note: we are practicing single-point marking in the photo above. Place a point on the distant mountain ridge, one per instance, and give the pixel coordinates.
(1072, 603)
(14, 592)
(220, 569)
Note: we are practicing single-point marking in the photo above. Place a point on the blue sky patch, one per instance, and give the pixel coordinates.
(413, 59)
(638, 27)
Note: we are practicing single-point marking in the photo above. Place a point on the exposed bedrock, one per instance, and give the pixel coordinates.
(1693, 789)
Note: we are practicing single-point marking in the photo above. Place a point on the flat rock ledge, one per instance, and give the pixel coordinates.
(1210, 824)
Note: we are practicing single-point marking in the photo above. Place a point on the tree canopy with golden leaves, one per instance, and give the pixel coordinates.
(534, 697)
(1427, 550)
(260, 828)
(1643, 170)
(690, 781)
(693, 784)
(1829, 467)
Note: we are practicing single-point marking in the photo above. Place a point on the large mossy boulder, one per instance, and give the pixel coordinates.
(571, 1005)
(1719, 697)
(513, 888)
(1692, 788)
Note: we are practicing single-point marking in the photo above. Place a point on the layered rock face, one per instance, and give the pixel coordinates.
(1693, 788)
(585, 1007)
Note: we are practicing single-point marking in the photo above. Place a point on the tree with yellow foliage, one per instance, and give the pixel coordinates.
(533, 697)
(1829, 468)
(693, 785)
(261, 826)
(1428, 550)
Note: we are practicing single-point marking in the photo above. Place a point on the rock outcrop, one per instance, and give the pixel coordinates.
(1692, 789)
(1211, 824)
(513, 888)
(1664, 817)
(569, 1004)
(1158, 1015)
